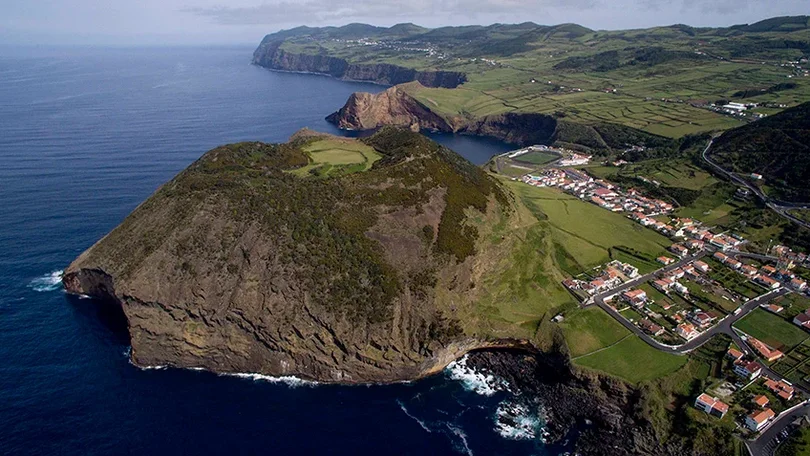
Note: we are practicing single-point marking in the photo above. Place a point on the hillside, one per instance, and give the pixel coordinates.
(662, 80)
(326, 258)
(777, 147)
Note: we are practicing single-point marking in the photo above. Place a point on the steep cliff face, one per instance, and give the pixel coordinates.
(271, 55)
(395, 106)
(240, 265)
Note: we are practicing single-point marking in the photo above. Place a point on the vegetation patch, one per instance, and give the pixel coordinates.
(633, 360)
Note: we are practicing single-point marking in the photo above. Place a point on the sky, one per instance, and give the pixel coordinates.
(180, 22)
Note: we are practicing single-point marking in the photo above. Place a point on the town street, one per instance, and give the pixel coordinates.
(766, 444)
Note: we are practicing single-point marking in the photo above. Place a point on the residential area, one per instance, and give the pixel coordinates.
(705, 284)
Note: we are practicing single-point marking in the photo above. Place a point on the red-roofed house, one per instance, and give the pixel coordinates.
(711, 405)
(767, 282)
(802, 319)
(758, 419)
(679, 250)
(747, 369)
(701, 266)
(798, 284)
(762, 401)
(687, 331)
(664, 260)
(766, 351)
(734, 354)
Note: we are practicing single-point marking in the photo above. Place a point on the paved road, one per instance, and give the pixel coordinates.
(766, 443)
(780, 207)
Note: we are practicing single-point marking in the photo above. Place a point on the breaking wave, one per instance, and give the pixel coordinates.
(288, 380)
(483, 384)
(517, 421)
(48, 282)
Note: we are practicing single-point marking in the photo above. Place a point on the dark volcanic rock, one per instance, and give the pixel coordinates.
(270, 55)
(602, 408)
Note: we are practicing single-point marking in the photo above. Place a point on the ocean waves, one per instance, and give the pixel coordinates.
(48, 282)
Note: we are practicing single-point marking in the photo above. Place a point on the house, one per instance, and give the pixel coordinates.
(720, 256)
(676, 273)
(720, 243)
(762, 401)
(734, 354)
(701, 266)
(798, 284)
(687, 331)
(635, 297)
(748, 270)
(733, 264)
(680, 288)
(664, 284)
(664, 260)
(694, 244)
(749, 370)
(758, 419)
(679, 250)
(802, 319)
(767, 352)
(781, 388)
(772, 308)
(768, 270)
(711, 405)
(702, 319)
(604, 193)
(651, 328)
(767, 282)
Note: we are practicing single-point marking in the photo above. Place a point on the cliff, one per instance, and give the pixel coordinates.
(242, 263)
(398, 107)
(270, 55)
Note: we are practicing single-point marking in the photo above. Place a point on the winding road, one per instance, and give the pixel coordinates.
(780, 207)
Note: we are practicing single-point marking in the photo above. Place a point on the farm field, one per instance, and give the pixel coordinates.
(586, 231)
(336, 156)
(633, 360)
(591, 329)
(772, 329)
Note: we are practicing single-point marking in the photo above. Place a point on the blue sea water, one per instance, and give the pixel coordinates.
(85, 135)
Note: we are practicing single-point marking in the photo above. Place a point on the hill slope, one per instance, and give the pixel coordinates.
(244, 263)
(778, 147)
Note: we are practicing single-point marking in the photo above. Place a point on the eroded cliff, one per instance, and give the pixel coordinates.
(270, 54)
(242, 264)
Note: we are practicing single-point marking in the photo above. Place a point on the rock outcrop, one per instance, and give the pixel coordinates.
(240, 265)
(271, 55)
(395, 106)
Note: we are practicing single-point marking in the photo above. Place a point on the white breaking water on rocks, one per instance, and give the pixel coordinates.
(483, 384)
(517, 421)
(48, 282)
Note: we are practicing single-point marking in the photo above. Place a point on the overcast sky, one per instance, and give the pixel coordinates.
(132, 22)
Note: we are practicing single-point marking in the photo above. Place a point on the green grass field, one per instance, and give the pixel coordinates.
(633, 360)
(537, 158)
(588, 330)
(586, 231)
(337, 156)
(772, 329)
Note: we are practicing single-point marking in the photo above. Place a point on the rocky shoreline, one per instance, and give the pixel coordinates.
(270, 55)
(603, 412)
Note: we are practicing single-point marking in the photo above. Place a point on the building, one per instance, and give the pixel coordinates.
(701, 266)
(720, 256)
(734, 354)
(768, 270)
(665, 260)
(781, 388)
(664, 284)
(758, 419)
(702, 319)
(762, 401)
(802, 319)
(767, 352)
(767, 282)
(687, 331)
(748, 370)
(711, 405)
(679, 250)
(635, 297)
(733, 264)
(798, 284)
(772, 308)
(749, 270)
(651, 328)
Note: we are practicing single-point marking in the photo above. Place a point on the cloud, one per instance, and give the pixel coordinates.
(389, 11)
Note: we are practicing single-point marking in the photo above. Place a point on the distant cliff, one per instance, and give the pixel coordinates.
(397, 107)
(271, 55)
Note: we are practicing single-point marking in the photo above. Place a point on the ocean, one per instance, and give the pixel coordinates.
(88, 133)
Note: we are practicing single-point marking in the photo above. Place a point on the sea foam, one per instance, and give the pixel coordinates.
(48, 282)
(483, 384)
(517, 421)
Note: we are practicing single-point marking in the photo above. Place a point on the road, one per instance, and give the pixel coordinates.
(766, 443)
(780, 207)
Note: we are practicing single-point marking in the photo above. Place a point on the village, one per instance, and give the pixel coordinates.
(704, 285)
